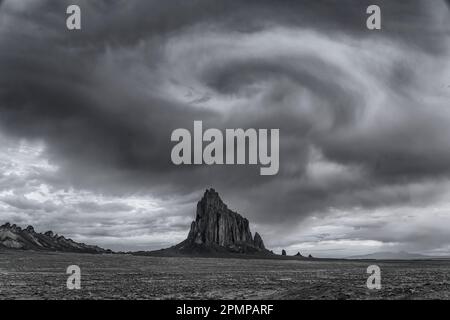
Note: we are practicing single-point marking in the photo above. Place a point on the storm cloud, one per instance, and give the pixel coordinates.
(363, 115)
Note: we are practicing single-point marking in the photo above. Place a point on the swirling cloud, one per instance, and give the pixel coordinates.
(363, 115)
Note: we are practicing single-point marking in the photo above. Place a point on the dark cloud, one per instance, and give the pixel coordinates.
(360, 112)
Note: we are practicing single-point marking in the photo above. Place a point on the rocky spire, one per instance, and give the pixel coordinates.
(216, 225)
(258, 241)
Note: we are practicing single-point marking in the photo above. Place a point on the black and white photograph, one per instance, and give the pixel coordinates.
(238, 150)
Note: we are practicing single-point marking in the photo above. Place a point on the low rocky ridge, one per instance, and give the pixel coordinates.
(16, 238)
(217, 230)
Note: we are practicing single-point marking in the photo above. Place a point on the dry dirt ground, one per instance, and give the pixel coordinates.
(31, 275)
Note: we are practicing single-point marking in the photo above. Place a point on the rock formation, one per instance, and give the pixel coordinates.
(298, 254)
(219, 229)
(14, 237)
(258, 241)
(216, 224)
(283, 252)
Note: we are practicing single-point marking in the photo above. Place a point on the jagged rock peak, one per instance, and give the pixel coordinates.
(49, 234)
(258, 241)
(211, 199)
(216, 225)
(16, 228)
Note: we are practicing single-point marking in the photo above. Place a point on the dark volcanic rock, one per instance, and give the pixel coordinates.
(13, 237)
(258, 241)
(298, 254)
(216, 224)
(49, 234)
(219, 229)
(283, 252)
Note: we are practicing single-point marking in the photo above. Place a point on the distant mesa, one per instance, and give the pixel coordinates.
(13, 237)
(402, 255)
(218, 230)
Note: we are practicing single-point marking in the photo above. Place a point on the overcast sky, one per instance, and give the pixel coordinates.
(364, 118)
